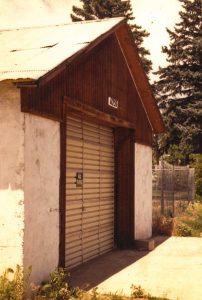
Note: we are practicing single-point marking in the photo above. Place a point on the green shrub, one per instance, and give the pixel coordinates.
(190, 223)
(183, 230)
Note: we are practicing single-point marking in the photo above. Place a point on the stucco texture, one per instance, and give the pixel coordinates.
(11, 177)
(143, 192)
(29, 187)
(42, 171)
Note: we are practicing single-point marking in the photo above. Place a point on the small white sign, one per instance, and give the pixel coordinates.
(113, 102)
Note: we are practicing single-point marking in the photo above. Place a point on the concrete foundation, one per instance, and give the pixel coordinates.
(144, 245)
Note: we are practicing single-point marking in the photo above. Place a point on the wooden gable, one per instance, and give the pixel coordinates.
(104, 74)
(90, 80)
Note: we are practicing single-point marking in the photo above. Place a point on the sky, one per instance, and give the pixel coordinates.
(152, 15)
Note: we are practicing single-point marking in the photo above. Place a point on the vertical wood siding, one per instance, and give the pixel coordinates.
(47, 99)
(91, 79)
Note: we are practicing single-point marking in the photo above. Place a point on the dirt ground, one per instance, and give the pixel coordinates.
(173, 269)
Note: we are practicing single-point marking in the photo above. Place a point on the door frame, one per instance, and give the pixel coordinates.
(124, 187)
(124, 139)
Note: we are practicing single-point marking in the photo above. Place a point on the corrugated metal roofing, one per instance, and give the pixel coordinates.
(32, 52)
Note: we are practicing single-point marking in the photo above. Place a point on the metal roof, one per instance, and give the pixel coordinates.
(29, 53)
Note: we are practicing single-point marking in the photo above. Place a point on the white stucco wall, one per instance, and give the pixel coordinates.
(11, 177)
(42, 171)
(143, 191)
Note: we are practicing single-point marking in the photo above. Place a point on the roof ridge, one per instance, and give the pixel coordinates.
(60, 24)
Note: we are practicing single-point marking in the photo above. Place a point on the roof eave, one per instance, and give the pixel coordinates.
(29, 82)
(52, 73)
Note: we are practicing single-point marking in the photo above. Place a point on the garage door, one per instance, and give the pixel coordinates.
(89, 191)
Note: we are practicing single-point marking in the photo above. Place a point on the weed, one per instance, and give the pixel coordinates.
(56, 288)
(163, 225)
(137, 292)
(13, 284)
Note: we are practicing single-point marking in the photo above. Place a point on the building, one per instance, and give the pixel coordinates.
(77, 117)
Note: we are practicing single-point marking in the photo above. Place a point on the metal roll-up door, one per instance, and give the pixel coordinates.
(89, 191)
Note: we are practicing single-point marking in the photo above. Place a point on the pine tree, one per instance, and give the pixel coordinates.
(100, 9)
(179, 89)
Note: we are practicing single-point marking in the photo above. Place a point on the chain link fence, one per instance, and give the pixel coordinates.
(173, 188)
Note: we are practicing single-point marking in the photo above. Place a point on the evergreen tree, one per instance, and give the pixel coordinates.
(179, 89)
(100, 9)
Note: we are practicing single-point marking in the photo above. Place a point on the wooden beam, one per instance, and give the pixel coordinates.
(95, 115)
(124, 187)
(62, 191)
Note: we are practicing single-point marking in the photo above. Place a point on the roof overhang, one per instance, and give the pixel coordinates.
(132, 59)
(55, 71)
(123, 34)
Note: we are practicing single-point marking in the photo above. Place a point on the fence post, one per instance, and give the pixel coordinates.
(162, 189)
(188, 187)
(173, 189)
(191, 185)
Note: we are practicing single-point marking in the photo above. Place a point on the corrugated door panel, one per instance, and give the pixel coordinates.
(89, 208)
